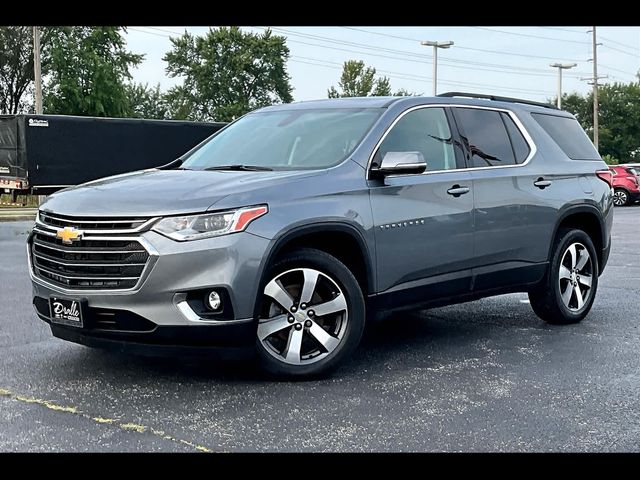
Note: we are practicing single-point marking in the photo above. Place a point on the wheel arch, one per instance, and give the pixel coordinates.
(589, 219)
(339, 239)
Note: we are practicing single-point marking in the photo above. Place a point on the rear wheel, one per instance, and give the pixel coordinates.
(620, 197)
(567, 292)
(312, 315)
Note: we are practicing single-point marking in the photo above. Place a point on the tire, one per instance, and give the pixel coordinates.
(288, 340)
(621, 197)
(547, 298)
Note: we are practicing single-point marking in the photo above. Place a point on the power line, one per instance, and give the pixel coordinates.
(409, 76)
(150, 33)
(397, 75)
(621, 44)
(459, 47)
(165, 30)
(555, 39)
(495, 67)
(454, 63)
(563, 29)
(618, 50)
(616, 69)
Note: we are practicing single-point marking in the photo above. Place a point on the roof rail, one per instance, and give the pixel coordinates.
(497, 99)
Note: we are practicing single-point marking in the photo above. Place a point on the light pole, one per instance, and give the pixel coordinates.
(436, 46)
(37, 74)
(595, 90)
(560, 67)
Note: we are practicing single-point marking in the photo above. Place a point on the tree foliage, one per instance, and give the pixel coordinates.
(358, 80)
(619, 118)
(227, 73)
(147, 102)
(87, 70)
(16, 68)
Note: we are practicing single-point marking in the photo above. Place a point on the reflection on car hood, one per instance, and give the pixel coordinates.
(160, 192)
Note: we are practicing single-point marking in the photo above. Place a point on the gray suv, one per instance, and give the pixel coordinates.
(283, 232)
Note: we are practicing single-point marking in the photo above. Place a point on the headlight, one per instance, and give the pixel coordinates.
(195, 227)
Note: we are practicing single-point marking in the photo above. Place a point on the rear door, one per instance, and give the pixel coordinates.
(513, 219)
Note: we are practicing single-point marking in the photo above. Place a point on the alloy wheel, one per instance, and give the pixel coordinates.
(576, 274)
(620, 198)
(304, 317)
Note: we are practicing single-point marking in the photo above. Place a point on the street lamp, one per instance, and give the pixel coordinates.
(560, 67)
(436, 46)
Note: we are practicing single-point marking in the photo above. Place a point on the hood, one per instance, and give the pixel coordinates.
(161, 192)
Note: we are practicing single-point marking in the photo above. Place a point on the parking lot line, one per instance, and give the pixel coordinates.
(127, 426)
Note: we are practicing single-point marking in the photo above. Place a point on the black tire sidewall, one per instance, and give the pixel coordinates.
(572, 236)
(338, 272)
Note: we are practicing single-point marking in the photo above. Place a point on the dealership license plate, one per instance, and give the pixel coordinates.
(66, 311)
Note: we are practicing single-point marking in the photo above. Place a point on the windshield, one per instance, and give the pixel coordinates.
(286, 140)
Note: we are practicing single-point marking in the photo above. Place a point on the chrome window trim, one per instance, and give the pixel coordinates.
(533, 149)
(153, 258)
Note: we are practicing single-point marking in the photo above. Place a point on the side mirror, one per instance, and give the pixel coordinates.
(402, 162)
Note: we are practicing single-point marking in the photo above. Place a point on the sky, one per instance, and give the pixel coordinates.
(509, 61)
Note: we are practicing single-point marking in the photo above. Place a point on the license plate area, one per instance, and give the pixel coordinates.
(66, 311)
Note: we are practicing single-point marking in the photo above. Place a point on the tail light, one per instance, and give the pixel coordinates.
(606, 176)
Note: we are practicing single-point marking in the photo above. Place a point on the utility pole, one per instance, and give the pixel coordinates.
(37, 73)
(560, 67)
(436, 46)
(595, 90)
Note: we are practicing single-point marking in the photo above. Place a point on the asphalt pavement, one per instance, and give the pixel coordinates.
(482, 376)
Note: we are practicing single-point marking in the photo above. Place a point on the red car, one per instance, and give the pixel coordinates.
(626, 185)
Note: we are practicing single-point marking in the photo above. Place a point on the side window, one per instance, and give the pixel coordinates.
(520, 146)
(569, 135)
(425, 130)
(486, 137)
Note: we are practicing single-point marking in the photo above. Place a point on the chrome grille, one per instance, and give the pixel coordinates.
(100, 259)
(95, 225)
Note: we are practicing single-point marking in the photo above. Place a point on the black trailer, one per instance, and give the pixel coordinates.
(40, 154)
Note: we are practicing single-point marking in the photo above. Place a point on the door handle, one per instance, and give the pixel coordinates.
(541, 183)
(457, 190)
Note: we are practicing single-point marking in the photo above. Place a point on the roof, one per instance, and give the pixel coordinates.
(409, 101)
(345, 102)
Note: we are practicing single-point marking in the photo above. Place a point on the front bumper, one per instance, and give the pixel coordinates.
(231, 263)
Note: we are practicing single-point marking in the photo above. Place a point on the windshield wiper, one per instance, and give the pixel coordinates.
(244, 168)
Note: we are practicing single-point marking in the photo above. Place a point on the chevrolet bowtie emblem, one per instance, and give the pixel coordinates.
(69, 234)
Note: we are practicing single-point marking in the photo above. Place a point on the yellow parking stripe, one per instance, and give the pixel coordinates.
(128, 426)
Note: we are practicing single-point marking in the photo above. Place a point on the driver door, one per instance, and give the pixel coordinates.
(424, 222)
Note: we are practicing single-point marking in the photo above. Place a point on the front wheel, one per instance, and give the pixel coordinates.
(620, 197)
(312, 315)
(567, 292)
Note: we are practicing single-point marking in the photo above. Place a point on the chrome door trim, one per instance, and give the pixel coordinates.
(532, 146)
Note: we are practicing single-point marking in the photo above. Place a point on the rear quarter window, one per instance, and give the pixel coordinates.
(569, 135)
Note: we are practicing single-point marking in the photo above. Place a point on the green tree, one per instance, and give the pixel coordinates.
(87, 70)
(358, 80)
(147, 102)
(619, 119)
(227, 73)
(16, 68)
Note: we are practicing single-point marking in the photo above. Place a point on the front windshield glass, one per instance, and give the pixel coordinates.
(286, 139)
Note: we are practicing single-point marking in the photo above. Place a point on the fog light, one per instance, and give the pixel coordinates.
(214, 302)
